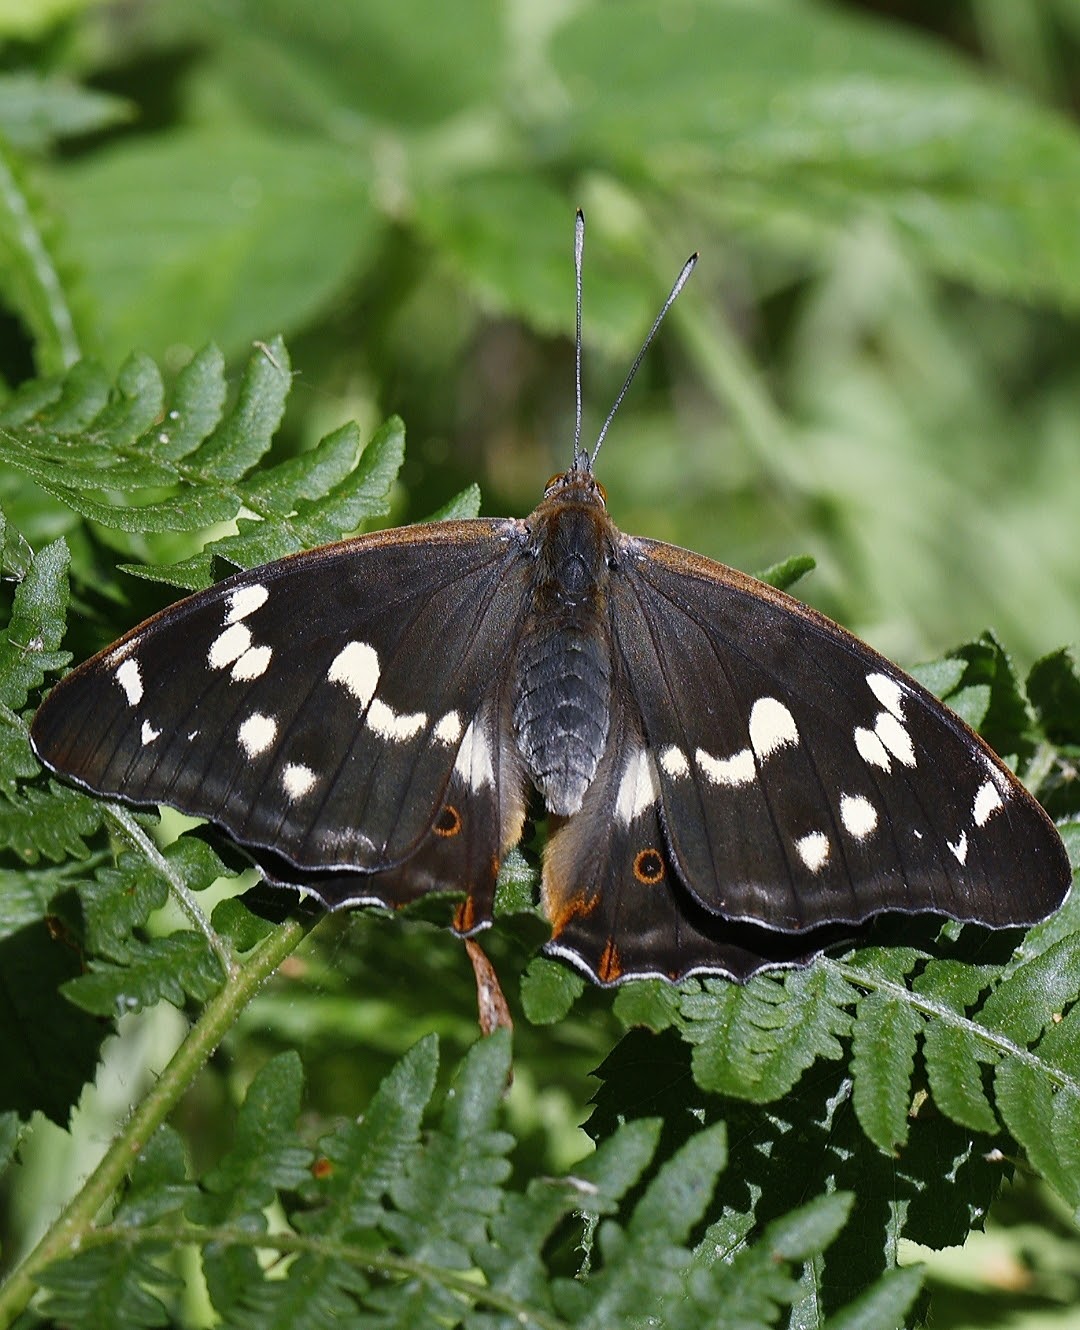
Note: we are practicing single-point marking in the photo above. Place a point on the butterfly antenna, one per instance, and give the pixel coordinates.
(579, 246)
(680, 282)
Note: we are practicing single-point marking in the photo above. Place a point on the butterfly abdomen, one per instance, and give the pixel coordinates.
(562, 687)
(561, 711)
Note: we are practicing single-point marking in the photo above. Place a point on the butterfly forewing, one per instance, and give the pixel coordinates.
(817, 783)
(315, 707)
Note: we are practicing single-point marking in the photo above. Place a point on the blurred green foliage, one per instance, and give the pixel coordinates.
(874, 362)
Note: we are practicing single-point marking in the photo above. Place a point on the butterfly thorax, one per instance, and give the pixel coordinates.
(562, 683)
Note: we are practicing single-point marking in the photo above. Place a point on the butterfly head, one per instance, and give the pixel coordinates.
(578, 484)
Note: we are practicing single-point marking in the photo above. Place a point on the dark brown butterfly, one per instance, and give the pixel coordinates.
(727, 772)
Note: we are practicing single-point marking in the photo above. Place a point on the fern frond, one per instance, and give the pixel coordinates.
(755, 1040)
(378, 1246)
(107, 451)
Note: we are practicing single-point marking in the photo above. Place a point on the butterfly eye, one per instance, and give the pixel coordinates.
(554, 483)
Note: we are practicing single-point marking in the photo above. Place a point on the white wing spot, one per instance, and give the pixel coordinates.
(987, 802)
(814, 850)
(245, 600)
(297, 780)
(771, 726)
(228, 646)
(149, 734)
(257, 733)
(888, 692)
(388, 724)
(639, 788)
(858, 815)
(252, 663)
(356, 666)
(960, 848)
(895, 738)
(674, 762)
(448, 730)
(871, 749)
(473, 763)
(740, 769)
(130, 680)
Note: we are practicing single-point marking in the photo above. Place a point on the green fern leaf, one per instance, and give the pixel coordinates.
(446, 1197)
(513, 1261)
(549, 990)
(53, 824)
(126, 972)
(118, 900)
(883, 1084)
(1031, 997)
(29, 650)
(28, 893)
(1054, 688)
(108, 1287)
(653, 1003)
(645, 1264)
(465, 504)
(465, 1245)
(1039, 1095)
(158, 1188)
(350, 1180)
(164, 969)
(989, 697)
(754, 1288)
(884, 1305)
(244, 436)
(676, 1200)
(85, 441)
(265, 1154)
(954, 1055)
(756, 1040)
(361, 1161)
(785, 574)
(305, 522)
(1029, 1106)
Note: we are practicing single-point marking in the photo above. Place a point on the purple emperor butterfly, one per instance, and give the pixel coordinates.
(727, 773)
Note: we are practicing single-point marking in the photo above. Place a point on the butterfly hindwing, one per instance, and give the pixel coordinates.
(801, 778)
(479, 818)
(617, 904)
(314, 707)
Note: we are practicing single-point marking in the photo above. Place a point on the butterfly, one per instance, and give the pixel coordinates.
(728, 775)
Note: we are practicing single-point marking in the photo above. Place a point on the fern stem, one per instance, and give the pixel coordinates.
(73, 1226)
(1001, 1043)
(140, 841)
